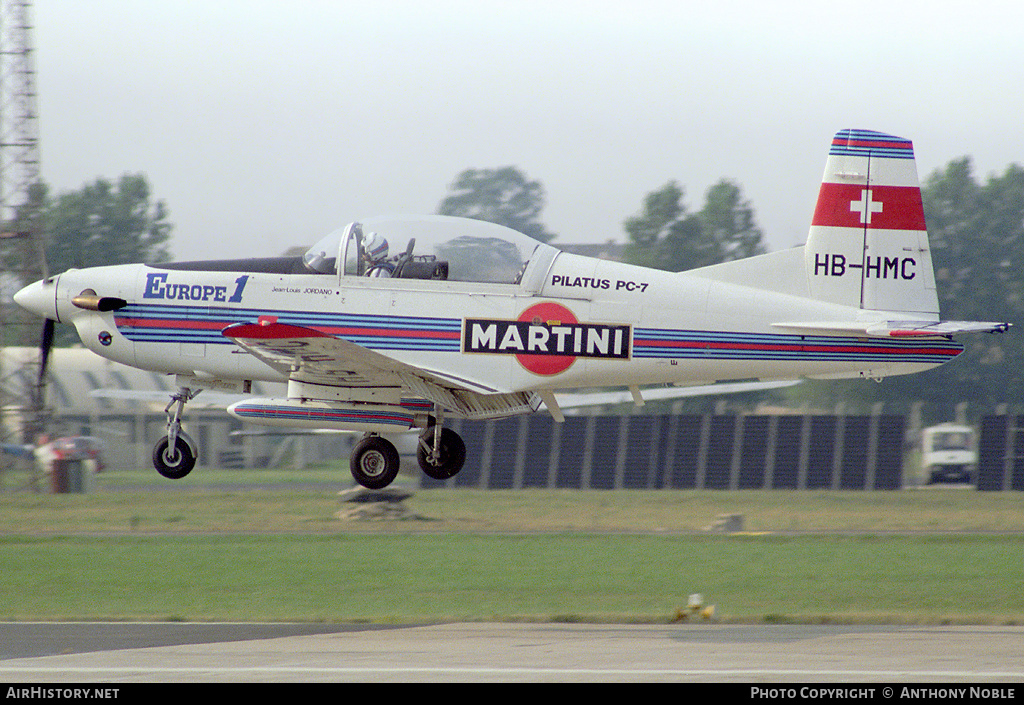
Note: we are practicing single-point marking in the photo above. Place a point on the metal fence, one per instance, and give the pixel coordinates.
(1001, 454)
(683, 452)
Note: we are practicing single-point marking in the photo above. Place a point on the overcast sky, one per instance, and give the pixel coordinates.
(267, 123)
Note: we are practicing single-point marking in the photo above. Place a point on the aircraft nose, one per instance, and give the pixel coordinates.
(39, 298)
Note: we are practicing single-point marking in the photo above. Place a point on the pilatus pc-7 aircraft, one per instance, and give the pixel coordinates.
(397, 323)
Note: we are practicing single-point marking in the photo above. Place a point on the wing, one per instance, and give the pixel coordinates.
(312, 357)
(204, 398)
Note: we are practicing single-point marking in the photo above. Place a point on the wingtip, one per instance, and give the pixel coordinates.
(268, 330)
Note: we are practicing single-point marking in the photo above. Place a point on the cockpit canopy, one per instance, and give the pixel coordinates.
(425, 247)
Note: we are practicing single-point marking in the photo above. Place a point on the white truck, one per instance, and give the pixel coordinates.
(948, 453)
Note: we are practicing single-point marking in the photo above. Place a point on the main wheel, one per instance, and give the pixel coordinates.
(453, 454)
(375, 463)
(174, 463)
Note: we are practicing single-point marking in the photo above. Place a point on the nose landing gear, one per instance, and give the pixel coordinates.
(175, 455)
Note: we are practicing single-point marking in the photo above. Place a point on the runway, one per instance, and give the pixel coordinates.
(484, 652)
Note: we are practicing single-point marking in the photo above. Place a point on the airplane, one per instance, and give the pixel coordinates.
(470, 319)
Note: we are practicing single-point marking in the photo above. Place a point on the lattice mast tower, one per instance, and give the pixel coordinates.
(21, 195)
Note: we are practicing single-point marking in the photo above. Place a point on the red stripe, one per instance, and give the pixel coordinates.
(901, 207)
(881, 144)
(793, 348)
(324, 414)
(167, 323)
(256, 330)
(910, 333)
(387, 333)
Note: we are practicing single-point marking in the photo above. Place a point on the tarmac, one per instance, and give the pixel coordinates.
(176, 652)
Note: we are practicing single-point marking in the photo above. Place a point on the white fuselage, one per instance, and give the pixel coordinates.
(572, 322)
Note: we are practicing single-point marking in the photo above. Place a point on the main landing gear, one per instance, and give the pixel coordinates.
(440, 451)
(374, 462)
(175, 455)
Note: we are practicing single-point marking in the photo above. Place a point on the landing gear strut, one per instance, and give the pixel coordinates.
(375, 461)
(441, 452)
(174, 456)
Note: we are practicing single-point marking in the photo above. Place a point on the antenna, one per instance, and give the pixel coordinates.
(22, 249)
(20, 191)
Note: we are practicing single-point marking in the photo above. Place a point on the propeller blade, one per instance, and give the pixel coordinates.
(45, 345)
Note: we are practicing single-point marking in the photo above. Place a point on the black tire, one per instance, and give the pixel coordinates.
(453, 454)
(375, 463)
(173, 465)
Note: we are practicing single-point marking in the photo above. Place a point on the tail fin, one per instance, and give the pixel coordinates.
(868, 244)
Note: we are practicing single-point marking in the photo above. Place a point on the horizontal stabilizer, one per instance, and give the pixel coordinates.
(898, 329)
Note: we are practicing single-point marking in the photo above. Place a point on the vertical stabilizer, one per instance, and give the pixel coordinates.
(868, 244)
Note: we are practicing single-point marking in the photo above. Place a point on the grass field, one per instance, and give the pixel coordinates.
(258, 546)
(577, 577)
(141, 502)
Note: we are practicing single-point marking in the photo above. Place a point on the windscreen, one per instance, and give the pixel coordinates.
(425, 247)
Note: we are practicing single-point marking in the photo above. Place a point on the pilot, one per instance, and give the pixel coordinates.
(375, 252)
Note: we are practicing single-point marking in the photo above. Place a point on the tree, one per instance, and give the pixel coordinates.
(106, 224)
(503, 196)
(665, 236)
(728, 221)
(977, 241)
(103, 224)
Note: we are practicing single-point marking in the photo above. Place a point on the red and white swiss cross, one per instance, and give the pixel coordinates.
(871, 207)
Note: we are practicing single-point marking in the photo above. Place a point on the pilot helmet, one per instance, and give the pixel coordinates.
(375, 247)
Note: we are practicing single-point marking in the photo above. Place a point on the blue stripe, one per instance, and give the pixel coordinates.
(339, 416)
(185, 313)
(183, 316)
(883, 145)
(846, 349)
(687, 342)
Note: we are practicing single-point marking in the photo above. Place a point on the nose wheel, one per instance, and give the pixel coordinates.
(177, 462)
(175, 455)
